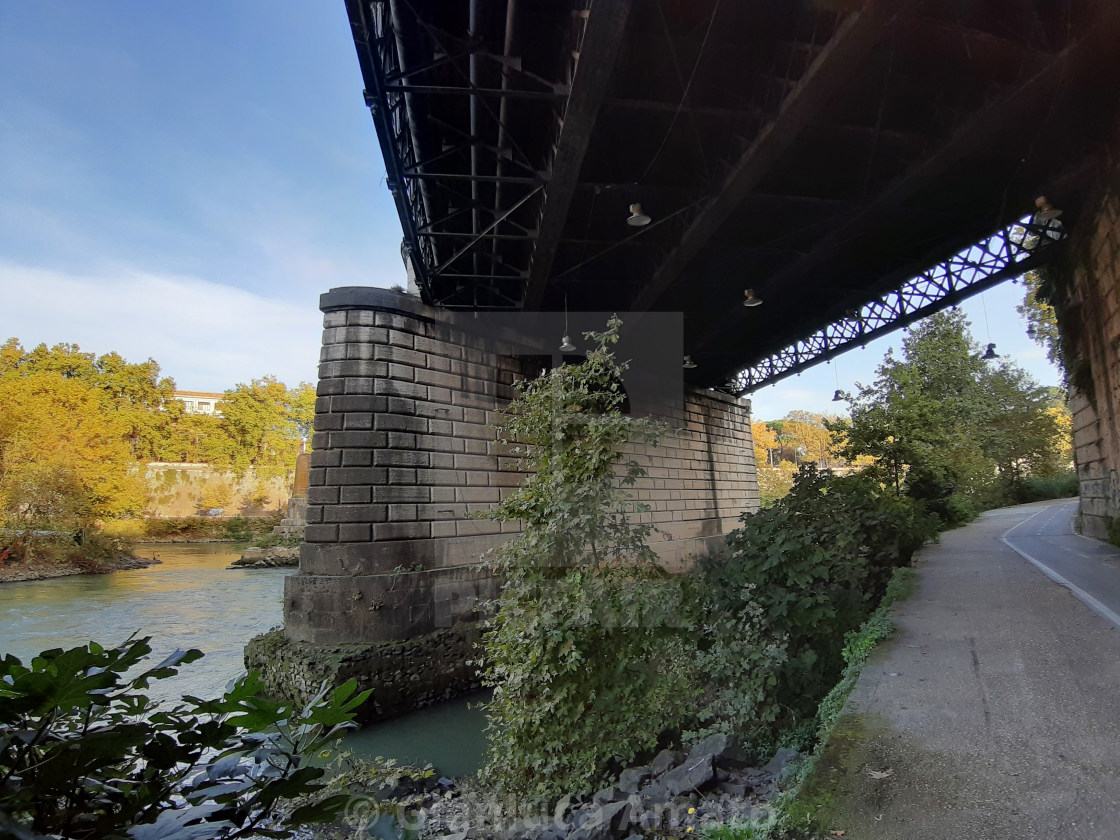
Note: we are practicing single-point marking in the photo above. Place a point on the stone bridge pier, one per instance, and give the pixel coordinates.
(391, 572)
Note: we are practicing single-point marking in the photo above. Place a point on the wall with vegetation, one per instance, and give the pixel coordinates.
(180, 489)
(404, 454)
(1089, 313)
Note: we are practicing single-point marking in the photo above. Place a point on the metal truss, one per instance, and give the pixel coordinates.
(381, 61)
(1010, 252)
(462, 224)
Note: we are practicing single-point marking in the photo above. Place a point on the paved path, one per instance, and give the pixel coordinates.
(994, 711)
(1089, 568)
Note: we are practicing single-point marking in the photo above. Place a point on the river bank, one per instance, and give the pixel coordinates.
(45, 569)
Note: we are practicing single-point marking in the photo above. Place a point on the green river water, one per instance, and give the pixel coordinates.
(192, 600)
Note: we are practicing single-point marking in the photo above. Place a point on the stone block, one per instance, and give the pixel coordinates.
(357, 457)
(329, 387)
(400, 405)
(402, 373)
(443, 529)
(441, 460)
(402, 531)
(354, 513)
(399, 458)
(400, 423)
(357, 368)
(357, 422)
(402, 513)
(441, 511)
(401, 495)
(439, 379)
(354, 495)
(400, 355)
(322, 495)
(358, 385)
(354, 532)
(401, 440)
(321, 533)
(401, 475)
(358, 440)
(358, 351)
(327, 422)
(392, 388)
(326, 458)
(359, 317)
(363, 403)
(439, 412)
(356, 475)
(438, 477)
(476, 462)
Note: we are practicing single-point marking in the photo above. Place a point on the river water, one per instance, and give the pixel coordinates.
(192, 600)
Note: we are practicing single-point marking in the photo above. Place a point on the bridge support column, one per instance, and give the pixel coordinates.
(403, 451)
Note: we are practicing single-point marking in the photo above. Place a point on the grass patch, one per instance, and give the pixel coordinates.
(799, 812)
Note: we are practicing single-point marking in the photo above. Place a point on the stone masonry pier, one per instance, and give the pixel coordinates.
(404, 450)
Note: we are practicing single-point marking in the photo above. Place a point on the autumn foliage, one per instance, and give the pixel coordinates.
(75, 428)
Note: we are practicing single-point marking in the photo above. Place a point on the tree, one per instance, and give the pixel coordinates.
(810, 437)
(765, 439)
(1042, 319)
(136, 392)
(941, 422)
(262, 424)
(64, 460)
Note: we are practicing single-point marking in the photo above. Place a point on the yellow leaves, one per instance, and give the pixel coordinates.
(61, 453)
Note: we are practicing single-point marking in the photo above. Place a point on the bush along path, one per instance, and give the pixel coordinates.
(713, 790)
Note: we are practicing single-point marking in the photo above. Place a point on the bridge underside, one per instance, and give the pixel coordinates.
(820, 153)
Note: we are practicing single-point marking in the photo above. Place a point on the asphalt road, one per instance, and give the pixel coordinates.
(993, 713)
(1090, 569)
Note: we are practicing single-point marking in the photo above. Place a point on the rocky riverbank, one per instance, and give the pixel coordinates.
(264, 558)
(43, 569)
(675, 796)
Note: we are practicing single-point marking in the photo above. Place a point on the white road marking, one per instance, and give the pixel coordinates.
(1083, 596)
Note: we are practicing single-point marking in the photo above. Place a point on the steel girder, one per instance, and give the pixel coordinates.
(1010, 252)
(377, 52)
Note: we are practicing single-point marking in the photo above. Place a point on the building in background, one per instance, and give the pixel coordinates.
(199, 402)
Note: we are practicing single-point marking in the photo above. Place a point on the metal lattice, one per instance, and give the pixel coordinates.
(1010, 252)
(377, 45)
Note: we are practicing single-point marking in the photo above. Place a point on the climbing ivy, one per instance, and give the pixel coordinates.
(584, 651)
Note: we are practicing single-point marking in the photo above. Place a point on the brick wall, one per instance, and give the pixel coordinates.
(1094, 303)
(404, 451)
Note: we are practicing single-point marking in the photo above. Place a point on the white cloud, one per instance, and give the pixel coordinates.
(207, 336)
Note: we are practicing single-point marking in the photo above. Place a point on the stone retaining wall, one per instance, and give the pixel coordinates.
(1091, 317)
(404, 675)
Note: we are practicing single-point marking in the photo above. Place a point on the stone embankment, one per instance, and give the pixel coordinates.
(675, 795)
(264, 558)
(42, 570)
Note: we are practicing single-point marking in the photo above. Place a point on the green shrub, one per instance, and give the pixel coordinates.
(812, 568)
(85, 753)
(1038, 488)
(586, 665)
(958, 510)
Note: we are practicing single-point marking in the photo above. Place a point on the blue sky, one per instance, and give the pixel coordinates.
(182, 181)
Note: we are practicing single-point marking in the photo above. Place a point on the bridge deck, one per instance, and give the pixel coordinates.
(820, 153)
